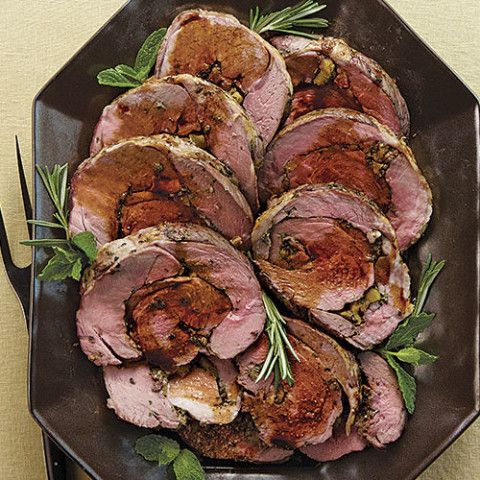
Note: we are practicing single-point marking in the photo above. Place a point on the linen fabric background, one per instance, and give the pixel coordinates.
(36, 38)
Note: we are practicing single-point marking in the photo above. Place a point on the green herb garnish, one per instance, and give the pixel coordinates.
(289, 19)
(399, 347)
(156, 448)
(72, 253)
(277, 359)
(125, 76)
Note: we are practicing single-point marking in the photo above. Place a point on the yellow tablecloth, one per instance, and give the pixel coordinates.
(36, 39)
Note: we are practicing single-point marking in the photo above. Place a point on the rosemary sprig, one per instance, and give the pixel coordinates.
(399, 347)
(72, 253)
(277, 359)
(289, 19)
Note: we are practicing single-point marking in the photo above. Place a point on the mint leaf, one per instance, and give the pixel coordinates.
(156, 448)
(86, 242)
(64, 264)
(187, 466)
(128, 71)
(114, 78)
(407, 332)
(406, 382)
(414, 355)
(147, 55)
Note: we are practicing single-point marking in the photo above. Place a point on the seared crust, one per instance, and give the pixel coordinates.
(237, 440)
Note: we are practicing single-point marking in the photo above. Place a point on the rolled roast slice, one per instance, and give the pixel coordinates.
(381, 419)
(237, 441)
(384, 416)
(303, 413)
(217, 47)
(187, 106)
(136, 396)
(168, 293)
(144, 181)
(337, 359)
(329, 254)
(329, 73)
(354, 150)
(208, 392)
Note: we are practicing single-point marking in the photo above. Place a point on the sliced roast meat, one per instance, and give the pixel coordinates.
(339, 445)
(237, 441)
(250, 363)
(187, 106)
(208, 394)
(189, 291)
(217, 47)
(329, 253)
(341, 363)
(354, 150)
(329, 73)
(303, 413)
(144, 181)
(136, 396)
(384, 416)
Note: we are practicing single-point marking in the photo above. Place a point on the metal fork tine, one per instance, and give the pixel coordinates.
(27, 204)
(5, 247)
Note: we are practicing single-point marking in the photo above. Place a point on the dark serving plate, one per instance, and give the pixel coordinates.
(67, 396)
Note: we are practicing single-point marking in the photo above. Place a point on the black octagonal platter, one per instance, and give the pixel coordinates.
(67, 395)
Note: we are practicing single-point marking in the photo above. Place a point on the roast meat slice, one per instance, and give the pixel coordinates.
(329, 73)
(353, 150)
(217, 47)
(237, 441)
(187, 106)
(303, 413)
(250, 363)
(191, 267)
(136, 396)
(208, 392)
(337, 446)
(383, 418)
(144, 181)
(333, 356)
(329, 253)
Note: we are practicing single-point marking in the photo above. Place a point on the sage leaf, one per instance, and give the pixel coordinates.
(407, 332)
(415, 356)
(430, 271)
(406, 382)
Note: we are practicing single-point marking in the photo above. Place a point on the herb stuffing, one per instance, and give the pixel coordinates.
(72, 253)
(183, 463)
(399, 347)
